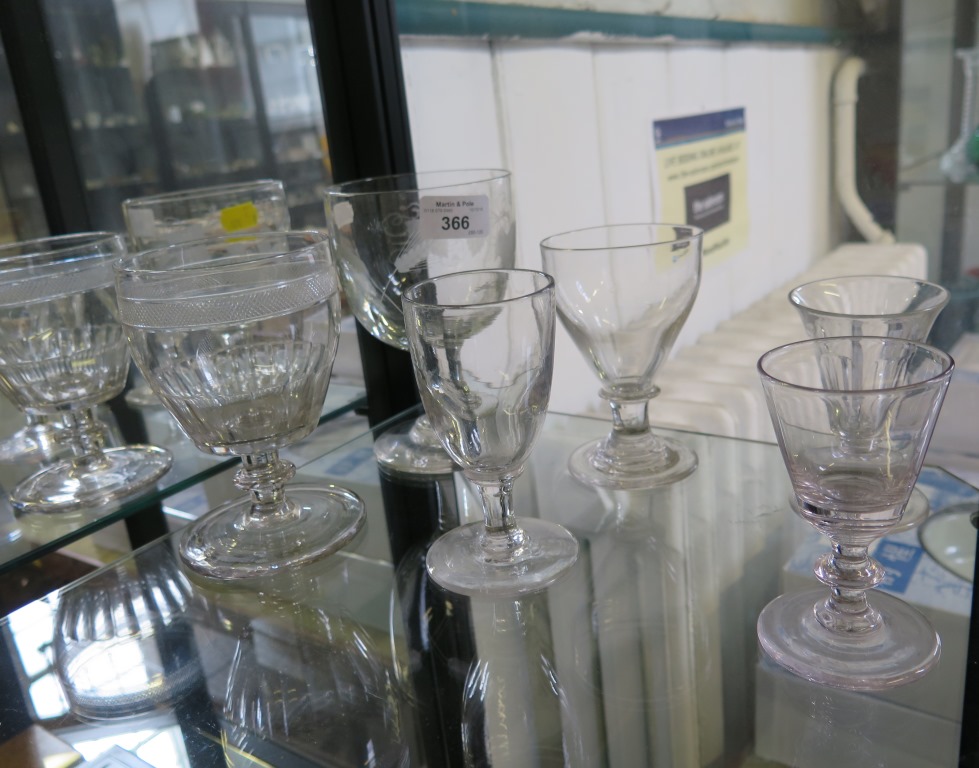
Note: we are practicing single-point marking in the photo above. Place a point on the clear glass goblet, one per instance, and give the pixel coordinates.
(171, 218)
(853, 417)
(62, 353)
(389, 233)
(873, 305)
(623, 294)
(237, 336)
(482, 344)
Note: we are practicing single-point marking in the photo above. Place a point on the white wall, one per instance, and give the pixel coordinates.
(573, 122)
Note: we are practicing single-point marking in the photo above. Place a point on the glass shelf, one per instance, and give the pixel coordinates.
(645, 654)
(25, 538)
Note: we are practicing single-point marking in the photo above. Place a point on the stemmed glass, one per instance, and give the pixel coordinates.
(873, 305)
(170, 218)
(237, 336)
(62, 353)
(482, 345)
(623, 294)
(389, 233)
(853, 417)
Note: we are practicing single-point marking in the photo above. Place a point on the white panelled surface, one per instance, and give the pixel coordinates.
(573, 122)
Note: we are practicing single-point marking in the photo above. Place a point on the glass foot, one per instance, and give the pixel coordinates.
(669, 465)
(70, 487)
(413, 449)
(457, 562)
(902, 649)
(226, 545)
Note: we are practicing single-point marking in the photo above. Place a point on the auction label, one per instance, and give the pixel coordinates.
(454, 217)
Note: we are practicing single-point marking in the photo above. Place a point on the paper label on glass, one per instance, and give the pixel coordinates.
(454, 217)
(235, 218)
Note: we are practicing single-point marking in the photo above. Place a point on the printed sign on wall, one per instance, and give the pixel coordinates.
(701, 172)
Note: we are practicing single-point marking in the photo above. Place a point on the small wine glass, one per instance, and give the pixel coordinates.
(237, 336)
(873, 305)
(170, 218)
(388, 233)
(853, 417)
(623, 294)
(62, 353)
(482, 344)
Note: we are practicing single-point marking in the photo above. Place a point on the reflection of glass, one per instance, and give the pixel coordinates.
(482, 344)
(123, 644)
(314, 683)
(237, 337)
(391, 232)
(63, 352)
(514, 708)
(623, 294)
(853, 417)
(956, 163)
(873, 305)
(193, 214)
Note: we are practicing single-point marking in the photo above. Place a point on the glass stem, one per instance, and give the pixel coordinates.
(86, 438)
(501, 538)
(264, 477)
(849, 572)
(630, 417)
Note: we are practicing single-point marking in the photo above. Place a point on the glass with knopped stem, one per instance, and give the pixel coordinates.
(390, 232)
(237, 336)
(873, 305)
(623, 294)
(482, 345)
(853, 417)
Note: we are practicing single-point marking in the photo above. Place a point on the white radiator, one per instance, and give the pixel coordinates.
(712, 385)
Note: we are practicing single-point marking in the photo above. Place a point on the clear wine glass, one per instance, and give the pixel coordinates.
(170, 218)
(390, 232)
(62, 353)
(237, 336)
(482, 344)
(853, 417)
(623, 294)
(873, 305)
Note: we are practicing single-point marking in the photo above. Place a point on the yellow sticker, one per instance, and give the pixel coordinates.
(238, 217)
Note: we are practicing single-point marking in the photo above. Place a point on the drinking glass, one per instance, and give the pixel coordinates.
(193, 214)
(237, 336)
(623, 294)
(170, 218)
(62, 353)
(482, 345)
(873, 305)
(853, 417)
(389, 233)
